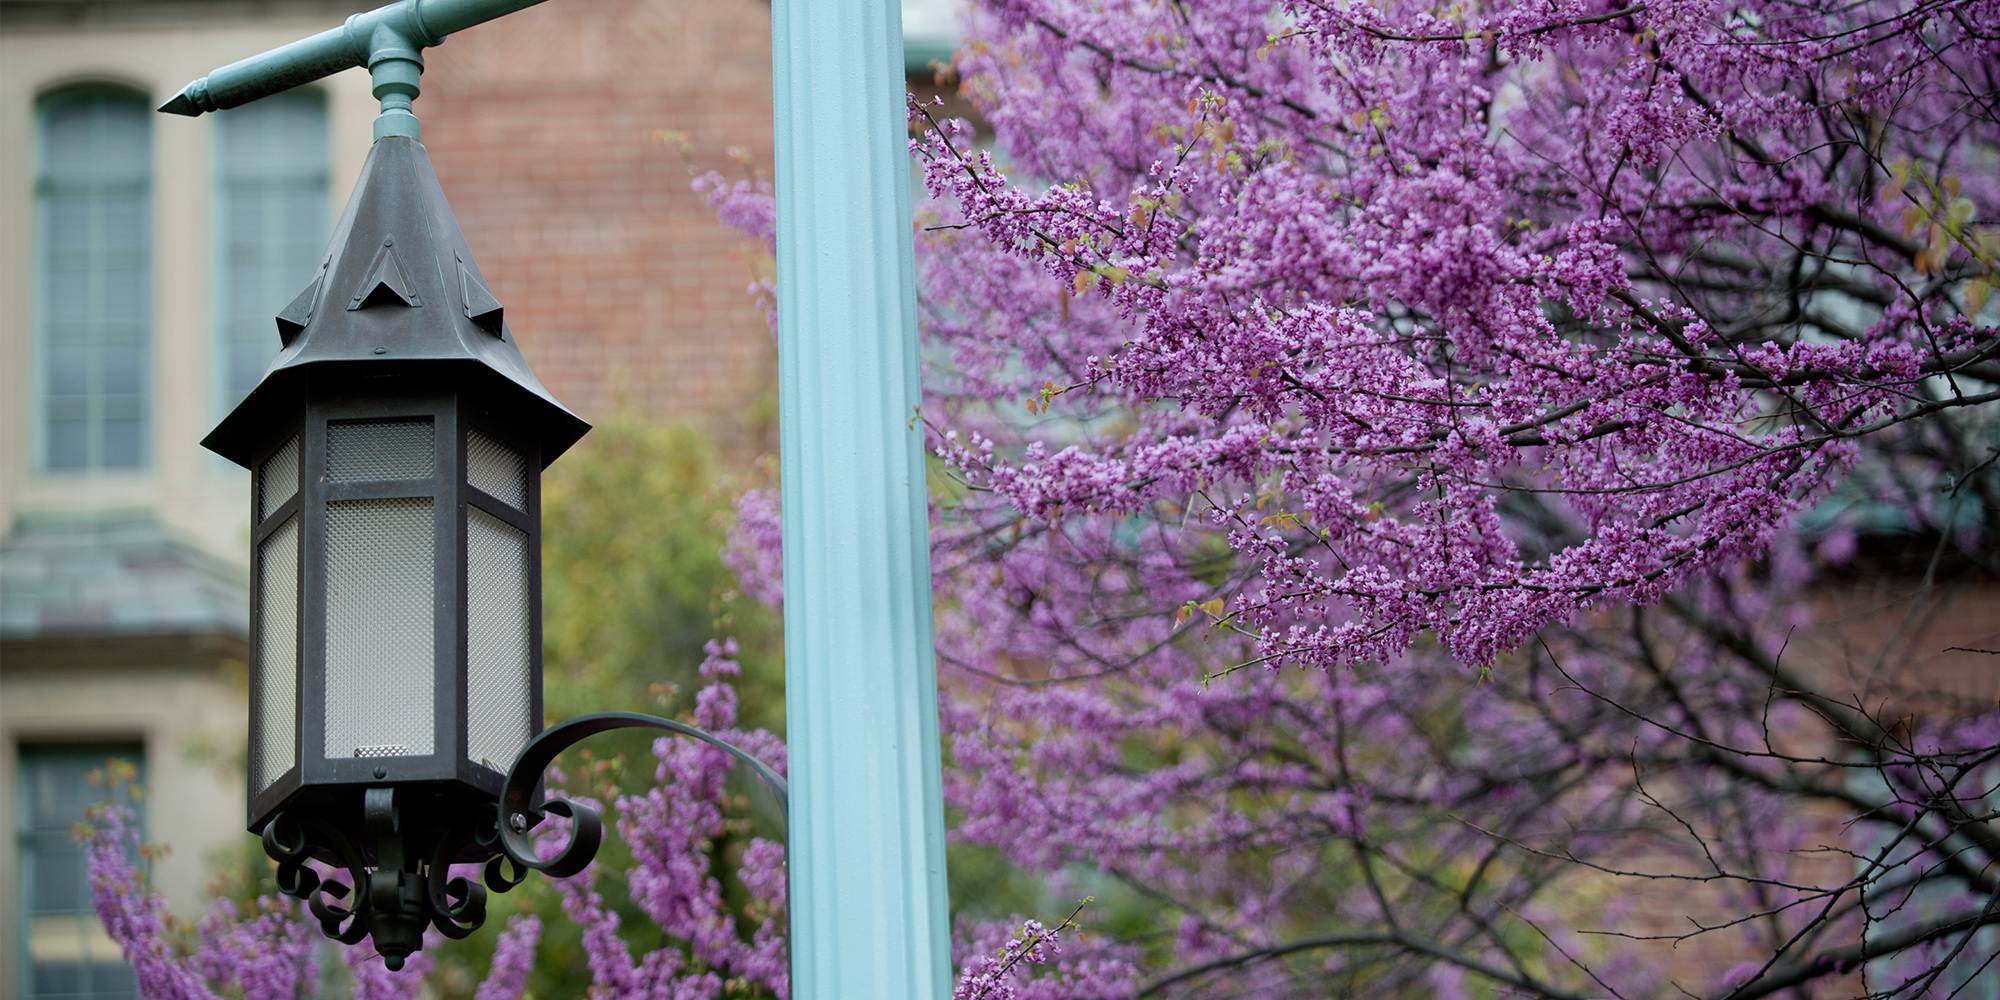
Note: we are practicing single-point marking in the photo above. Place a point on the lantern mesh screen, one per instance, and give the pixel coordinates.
(278, 481)
(380, 643)
(497, 649)
(277, 651)
(359, 451)
(499, 470)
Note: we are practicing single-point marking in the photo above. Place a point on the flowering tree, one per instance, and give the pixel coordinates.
(1380, 339)
(1387, 292)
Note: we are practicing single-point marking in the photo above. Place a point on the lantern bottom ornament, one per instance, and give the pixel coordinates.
(398, 878)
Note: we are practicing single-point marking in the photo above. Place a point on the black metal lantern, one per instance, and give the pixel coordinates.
(397, 443)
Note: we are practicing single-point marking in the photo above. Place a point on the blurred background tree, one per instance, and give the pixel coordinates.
(633, 582)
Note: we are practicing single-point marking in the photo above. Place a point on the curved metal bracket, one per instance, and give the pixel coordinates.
(584, 839)
(457, 906)
(290, 841)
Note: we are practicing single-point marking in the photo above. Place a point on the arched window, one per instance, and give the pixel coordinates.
(94, 235)
(271, 226)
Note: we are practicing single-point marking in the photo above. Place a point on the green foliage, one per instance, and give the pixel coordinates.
(632, 578)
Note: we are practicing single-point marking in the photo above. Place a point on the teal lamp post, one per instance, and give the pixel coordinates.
(865, 837)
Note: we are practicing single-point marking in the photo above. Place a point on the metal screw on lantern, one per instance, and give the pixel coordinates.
(397, 443)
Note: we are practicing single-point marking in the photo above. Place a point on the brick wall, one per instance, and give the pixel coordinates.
(618, 281)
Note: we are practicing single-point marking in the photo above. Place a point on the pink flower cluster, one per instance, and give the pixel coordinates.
(998, 962)
(1377, 292)
(266, 952)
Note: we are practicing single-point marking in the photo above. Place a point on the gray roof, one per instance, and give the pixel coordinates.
(113, 573)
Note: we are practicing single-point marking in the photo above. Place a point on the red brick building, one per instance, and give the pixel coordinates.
(620, 283)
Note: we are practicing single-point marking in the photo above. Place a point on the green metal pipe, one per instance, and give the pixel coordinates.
(388, 40)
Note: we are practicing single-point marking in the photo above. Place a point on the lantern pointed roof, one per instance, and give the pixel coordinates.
(396, 290)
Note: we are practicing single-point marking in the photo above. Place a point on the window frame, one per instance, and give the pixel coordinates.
(40, 363)
(26, 836)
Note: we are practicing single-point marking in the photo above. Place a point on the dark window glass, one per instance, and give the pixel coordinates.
(271, 177)
(66, 955)
(94, 179)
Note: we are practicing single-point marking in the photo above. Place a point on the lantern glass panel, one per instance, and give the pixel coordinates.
(359, 451)
(380, 640)
(276, 743)
(278, 480)
(499, 470)
(498, 652)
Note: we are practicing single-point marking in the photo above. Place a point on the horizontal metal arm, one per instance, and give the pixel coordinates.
(273, 72)
(395, 33)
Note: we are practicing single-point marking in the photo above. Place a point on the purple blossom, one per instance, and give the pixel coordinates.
(1480, 359)
(513, 959)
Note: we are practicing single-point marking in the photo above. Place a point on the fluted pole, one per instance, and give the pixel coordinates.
(866, 844)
